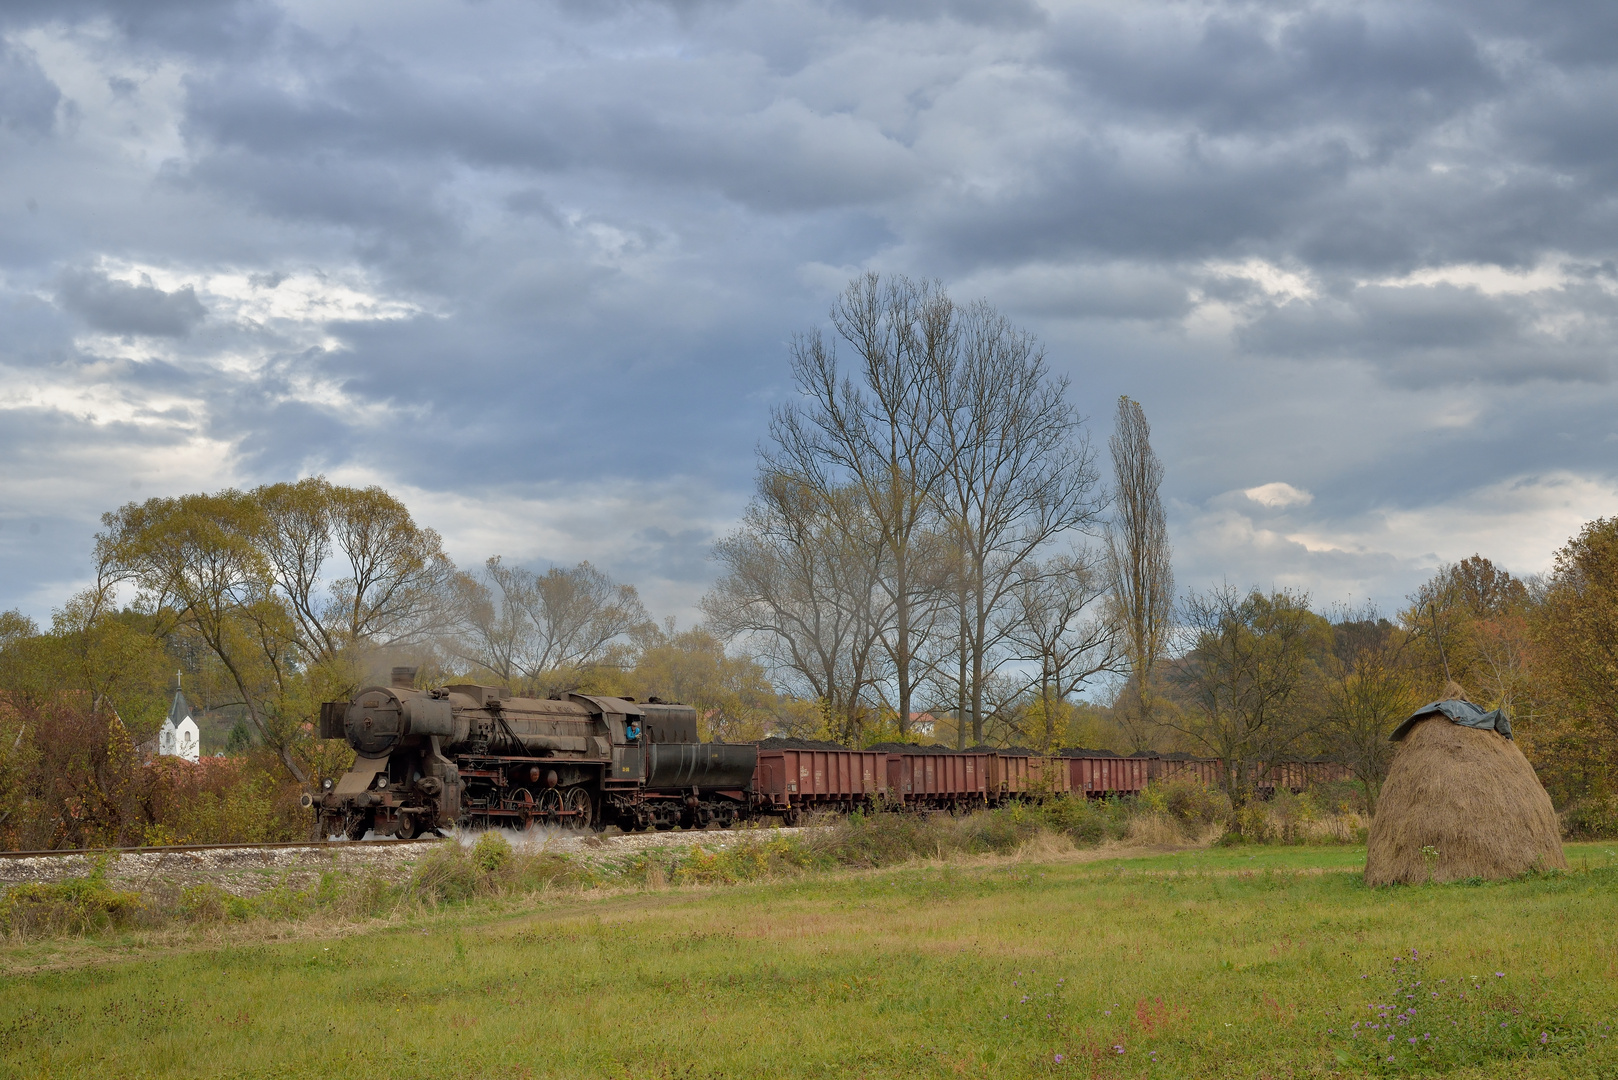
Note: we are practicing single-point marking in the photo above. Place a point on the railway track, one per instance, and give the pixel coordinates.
(180, 848)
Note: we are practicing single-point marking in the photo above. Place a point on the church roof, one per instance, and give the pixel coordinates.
(179, 710)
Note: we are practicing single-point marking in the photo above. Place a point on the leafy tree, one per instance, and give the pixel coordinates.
(1576, 628)
(197, 563)
(1247, 677)
(1462, 610)
(1368, 689)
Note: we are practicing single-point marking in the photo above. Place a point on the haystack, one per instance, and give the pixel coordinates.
(1466, 793)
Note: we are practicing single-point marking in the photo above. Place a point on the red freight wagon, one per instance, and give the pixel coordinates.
(1014, 776)
(1206, 771)
(940, 781)
(833, 779)
(1098, 776)
(1297, 775)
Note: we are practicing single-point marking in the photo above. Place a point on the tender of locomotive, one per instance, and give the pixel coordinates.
(477, 756)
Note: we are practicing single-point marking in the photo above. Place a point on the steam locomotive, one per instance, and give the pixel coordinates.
(472, 755)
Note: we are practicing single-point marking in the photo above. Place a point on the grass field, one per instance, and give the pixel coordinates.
(1241, 963)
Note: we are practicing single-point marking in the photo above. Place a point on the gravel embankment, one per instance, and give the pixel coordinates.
(250, 871)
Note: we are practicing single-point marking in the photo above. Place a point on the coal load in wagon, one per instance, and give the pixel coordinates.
(779, 743)
(1460, 802)
(910, 748)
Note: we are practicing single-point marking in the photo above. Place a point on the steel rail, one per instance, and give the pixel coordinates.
(179, 848)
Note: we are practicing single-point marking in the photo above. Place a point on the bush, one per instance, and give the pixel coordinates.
(492, 853)
(451, 873)
(1195, 804)
(76, 906)
(1592, 818)
(1090, 821)
(882, 839)
(1002, 831)
(747, 861)
(1290, 816)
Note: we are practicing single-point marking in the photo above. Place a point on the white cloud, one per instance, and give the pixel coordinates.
(1278, 494)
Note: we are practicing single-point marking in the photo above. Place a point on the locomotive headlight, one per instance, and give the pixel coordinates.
(382, 781)
(327, 784)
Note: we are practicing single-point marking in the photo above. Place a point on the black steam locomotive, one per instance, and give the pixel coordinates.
(476, 756)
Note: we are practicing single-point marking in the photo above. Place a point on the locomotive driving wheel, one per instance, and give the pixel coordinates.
(578, 801)
(550, 802)
(522, 801)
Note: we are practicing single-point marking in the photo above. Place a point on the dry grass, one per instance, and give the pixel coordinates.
(1461, 803)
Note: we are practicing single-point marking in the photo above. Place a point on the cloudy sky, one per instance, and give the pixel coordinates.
(533, 266)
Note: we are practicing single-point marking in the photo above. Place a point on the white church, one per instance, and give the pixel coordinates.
(178, 737)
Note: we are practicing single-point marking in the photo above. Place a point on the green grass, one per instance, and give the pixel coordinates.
(1233, 962)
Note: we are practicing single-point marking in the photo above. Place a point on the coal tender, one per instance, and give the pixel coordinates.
(477, 756)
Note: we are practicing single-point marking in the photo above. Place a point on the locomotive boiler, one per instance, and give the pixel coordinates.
(478, 756)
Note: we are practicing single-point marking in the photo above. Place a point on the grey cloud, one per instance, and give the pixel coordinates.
(998, 13)
(722, 130)
(1384, 70)
(675, 556)
(1428, 334)
(625, 209)
(216, 29)
(28, 98)
(533, 201)
(1111, 291)
(121, 308)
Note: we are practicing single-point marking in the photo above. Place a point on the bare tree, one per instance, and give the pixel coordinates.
(355, 568)
(542, 630)
(801, 584)
(1017, 472)
(1054, 621)
(1139, 559)
(877, 437)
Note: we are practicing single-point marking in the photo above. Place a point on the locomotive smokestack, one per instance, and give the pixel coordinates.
(404, 677)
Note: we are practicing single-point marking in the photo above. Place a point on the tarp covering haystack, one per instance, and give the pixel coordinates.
(1460, 802)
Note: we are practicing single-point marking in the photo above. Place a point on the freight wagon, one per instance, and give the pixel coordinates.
(1295, 776)
(1019, 776)
(787, 782)
(953, 781)
(1102, 776)
(1206, 771)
